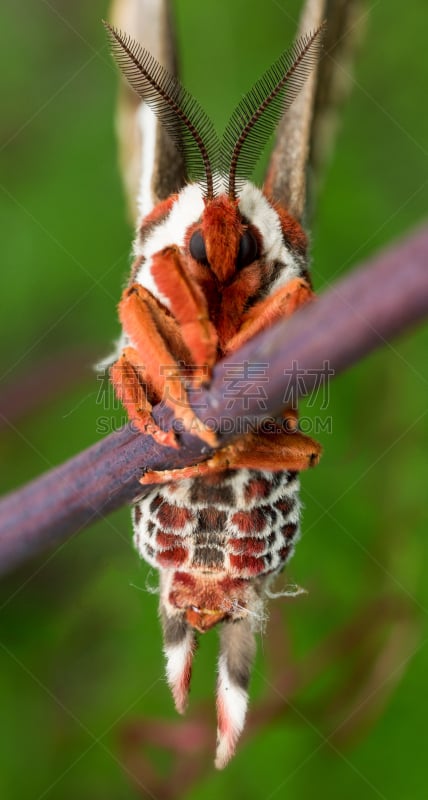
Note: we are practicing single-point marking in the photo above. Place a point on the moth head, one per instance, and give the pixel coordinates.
(223, 240)
(211, 161)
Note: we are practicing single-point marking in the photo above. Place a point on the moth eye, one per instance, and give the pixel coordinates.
(197, 248)
(248, 249)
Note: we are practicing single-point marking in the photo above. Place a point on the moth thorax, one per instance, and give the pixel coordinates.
(206, 599)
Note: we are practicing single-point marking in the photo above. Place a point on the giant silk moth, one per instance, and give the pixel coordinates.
(214, 264)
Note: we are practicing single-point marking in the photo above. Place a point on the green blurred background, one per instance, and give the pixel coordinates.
(79, 638)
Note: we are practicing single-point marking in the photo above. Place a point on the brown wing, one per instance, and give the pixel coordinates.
(151, 25)
(305, 133)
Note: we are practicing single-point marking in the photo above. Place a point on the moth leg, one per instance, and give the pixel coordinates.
(275, 452)
(282, 304)
(188, 305)
(156, 338)
(136, 392)
(291, 417)
(218, 463)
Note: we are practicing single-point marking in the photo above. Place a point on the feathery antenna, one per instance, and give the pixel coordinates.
(181, 115)
(258, 113)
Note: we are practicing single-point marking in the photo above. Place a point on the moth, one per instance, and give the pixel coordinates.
(214, 264)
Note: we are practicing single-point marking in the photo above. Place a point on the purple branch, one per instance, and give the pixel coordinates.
(361, 312)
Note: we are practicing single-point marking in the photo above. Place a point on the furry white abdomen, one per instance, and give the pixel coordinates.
(243, 523)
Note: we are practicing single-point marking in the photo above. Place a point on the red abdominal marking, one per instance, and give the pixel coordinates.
(173, 517)
(167, 541)
(256, 489)
(171, 558)
(247, 565)
(253, 521)
(248, 546)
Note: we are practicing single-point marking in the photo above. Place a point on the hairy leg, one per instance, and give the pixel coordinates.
(188, 305)
(162, 354)
(277, 451)
(282, 304)
(137, 393)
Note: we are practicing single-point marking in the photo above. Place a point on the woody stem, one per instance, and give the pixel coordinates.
(364, 310)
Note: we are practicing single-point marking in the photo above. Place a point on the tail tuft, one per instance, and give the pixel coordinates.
(179, 648)
(236, 657)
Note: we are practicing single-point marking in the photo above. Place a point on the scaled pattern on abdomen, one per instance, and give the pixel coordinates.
(242, 523)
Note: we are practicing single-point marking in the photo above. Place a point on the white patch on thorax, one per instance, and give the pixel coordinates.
(187, 209)
(256, 208)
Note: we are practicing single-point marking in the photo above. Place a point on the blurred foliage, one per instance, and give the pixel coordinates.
(79, 637)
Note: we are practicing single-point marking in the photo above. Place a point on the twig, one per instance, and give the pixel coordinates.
(364, 310)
